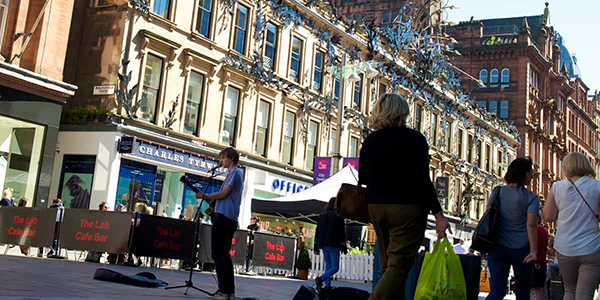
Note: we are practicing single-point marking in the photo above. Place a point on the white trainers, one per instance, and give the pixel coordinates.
(222, 296)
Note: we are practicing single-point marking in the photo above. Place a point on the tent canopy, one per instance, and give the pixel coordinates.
(309, 202)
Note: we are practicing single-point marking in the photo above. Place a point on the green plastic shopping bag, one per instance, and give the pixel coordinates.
(441, 275)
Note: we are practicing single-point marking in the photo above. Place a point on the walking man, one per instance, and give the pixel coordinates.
(225, 222)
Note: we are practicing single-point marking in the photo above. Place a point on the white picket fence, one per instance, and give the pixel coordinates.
(352, 266)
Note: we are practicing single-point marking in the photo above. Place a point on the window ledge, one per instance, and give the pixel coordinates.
(152, 16)
(194, 36)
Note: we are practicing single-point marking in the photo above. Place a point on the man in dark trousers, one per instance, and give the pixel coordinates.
(225, 222)
(331, 238)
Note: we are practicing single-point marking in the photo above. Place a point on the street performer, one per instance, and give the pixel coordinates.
(225, 222)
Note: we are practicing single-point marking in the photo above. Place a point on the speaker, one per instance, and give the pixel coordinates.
(306, 292)
(343, 293)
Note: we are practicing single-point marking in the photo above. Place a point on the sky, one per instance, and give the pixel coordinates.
(578, 21)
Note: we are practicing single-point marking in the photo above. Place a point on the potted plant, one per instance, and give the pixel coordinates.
(303, 263)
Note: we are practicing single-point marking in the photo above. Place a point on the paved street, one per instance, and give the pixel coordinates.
(30, 278)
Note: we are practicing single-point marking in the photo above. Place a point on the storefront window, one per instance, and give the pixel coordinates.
(136, 184)
(20, 150)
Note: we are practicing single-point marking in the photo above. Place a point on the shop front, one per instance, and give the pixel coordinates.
(30, 109)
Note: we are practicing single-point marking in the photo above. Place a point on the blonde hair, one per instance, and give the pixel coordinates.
(390, 110)
(577, 164)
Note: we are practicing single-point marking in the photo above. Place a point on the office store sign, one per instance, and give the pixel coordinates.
(172, 157)
(283, 186)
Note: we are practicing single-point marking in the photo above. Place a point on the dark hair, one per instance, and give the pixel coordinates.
(23, 202)
(331, 204)
(231, 154)
(517, 170)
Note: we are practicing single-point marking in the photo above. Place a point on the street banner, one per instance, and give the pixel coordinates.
(322, 169)
(27, 226)
(441, 186)
(353, 161)
(93, 230)
(274, 251)
(162, 237)
(239, 242)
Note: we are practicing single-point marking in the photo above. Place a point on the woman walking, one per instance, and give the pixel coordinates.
(517, 232)
(394, 164)
(574, 204)
(330, 237)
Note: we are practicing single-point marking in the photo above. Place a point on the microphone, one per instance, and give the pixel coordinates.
(216, 167)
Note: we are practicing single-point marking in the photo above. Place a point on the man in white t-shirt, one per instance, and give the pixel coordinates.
(460, 248)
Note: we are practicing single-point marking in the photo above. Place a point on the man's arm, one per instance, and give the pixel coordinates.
(222, 194)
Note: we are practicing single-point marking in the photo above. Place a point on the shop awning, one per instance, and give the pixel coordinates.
(309, 202)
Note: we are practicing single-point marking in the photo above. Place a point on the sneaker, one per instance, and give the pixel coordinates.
(319, 282)
(222, 296)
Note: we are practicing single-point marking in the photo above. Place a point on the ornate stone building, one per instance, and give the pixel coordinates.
(522, 79)
(265, 77)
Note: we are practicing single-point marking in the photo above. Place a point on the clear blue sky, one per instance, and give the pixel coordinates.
(578, 21)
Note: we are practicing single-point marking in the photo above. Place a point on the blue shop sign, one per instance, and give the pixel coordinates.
(175, 158)
(287, 186)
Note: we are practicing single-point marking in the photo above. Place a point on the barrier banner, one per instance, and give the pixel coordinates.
(27, 226)
(239, 242)
(274, 251)
(100, 231)
(163, 237)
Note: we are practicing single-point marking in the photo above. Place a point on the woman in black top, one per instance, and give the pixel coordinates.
(394, 164)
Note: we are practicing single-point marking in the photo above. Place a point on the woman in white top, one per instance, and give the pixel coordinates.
(577, 240)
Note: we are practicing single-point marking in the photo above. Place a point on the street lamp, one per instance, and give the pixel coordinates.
(349, 72)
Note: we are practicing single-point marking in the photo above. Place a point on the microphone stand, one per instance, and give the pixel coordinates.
(188, 283)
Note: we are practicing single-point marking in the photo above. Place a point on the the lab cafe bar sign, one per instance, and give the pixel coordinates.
(281, 185)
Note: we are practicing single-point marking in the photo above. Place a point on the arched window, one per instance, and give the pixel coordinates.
(505, 76)
(494, 77)
(3, 16)
(483, 74)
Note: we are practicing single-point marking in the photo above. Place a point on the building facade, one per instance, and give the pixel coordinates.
(516, 73)
(32, 55)
(209, 77)
(381, 12)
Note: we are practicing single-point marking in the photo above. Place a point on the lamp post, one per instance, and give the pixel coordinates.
(352, 78)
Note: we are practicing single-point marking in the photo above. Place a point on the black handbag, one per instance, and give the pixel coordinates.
(484, 237)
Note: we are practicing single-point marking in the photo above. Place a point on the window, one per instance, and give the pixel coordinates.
(332, 141)
(535, 79)
(203, 17)
(504, 109)
(460, 143)
(434, 129)
(311, 146)
(296, 59)
(470, 149)
(98, 2)
(483, 74)
(271, 45)
(449, 136)
(353, 149)
(382, 89)
(505, 77)
(161, 8)
(394, 15)
(230, 116)
(241, 22)
(356, 96)
(494, 78)
(3, 17)
(481, 103)
(386, 16)
(262, 127)
(418, 117)
(500, 158)
(336, 90)
(289, 126)
(493, 107)
(318, 72)
(151, 91)
(192, 104)
(488, 157)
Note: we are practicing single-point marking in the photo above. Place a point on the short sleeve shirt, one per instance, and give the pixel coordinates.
(515, 204)
(230, 206)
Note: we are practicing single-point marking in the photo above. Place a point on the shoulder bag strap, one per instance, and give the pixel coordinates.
(584, 201)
